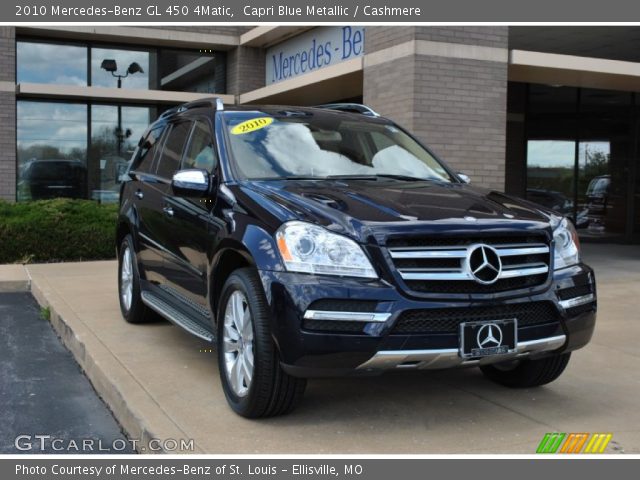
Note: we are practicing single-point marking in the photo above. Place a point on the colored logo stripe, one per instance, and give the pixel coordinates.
(574, 443)
(550, 442)
(598, 443)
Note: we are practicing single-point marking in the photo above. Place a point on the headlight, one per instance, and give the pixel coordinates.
(309, 248)
(567, 245)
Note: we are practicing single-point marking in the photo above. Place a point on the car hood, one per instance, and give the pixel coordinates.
(359, 208)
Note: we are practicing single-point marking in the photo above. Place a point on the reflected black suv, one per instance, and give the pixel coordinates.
(328, 241)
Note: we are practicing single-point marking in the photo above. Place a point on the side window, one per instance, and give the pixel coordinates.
(172, 151)
(148, 150)
(200, 153)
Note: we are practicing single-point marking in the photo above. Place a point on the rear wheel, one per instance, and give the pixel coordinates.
(253, 381)
(527, 373)
(131, 306)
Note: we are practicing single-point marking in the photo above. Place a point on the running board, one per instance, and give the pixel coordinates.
(174, 316)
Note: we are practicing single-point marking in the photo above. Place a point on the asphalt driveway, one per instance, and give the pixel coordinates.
(45, 398)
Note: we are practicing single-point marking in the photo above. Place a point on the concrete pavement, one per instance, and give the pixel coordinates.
(161, 382)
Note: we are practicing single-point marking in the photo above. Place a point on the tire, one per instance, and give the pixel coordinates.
(261, 388)
(528, 373)
(131, 306)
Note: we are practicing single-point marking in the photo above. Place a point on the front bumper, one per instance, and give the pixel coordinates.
(376, 347)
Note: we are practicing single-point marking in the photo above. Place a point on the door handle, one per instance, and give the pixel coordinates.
(139, 194)
(168, 211)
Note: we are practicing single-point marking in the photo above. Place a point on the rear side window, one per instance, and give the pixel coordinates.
(172, 151)
(148, 150)
(200, 153)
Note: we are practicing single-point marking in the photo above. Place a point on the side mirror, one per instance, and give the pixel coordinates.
(191, 183)
(465, 178)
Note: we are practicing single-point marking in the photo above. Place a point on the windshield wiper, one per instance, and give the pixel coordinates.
(353, 177)
(408, 178)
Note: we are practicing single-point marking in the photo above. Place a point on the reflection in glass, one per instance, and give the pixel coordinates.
(192, 72)
(594, 182)
(110, 152)
(102, 78)
(51, 150)
(322, 146)
(550, 174)
(51, 63)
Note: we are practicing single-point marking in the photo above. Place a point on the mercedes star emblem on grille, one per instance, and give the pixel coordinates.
(484, 264)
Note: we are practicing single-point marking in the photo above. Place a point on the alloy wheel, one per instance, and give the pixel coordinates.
(126, 278)
(238, 343)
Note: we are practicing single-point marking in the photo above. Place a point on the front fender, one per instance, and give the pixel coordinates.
(263, 249)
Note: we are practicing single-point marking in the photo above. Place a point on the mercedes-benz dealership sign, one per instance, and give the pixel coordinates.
(313, 50)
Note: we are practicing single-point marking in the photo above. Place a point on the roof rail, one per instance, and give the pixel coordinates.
(350, 107)
(215, 102)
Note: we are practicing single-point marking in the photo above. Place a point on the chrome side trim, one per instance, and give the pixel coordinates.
(449, 357)
(333, 316)
(577, 301)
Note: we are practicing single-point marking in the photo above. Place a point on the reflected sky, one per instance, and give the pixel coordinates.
(560, 153)
(60, 125)
(52, 64)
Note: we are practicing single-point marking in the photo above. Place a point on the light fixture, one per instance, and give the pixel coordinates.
(109, 65)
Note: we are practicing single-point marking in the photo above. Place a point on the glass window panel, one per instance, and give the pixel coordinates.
(550, 174)
(51, 63)
(192, 71)
(602, 184)
(172, 151)
(115, 132)
(200, 153)
(51, 150)
(552, 99)
(124, 58)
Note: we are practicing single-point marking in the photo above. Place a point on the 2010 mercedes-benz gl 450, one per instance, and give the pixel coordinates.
(328, 241)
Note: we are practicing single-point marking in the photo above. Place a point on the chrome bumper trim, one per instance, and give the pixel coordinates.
(449, 357)
(332, 316)
(577, 301)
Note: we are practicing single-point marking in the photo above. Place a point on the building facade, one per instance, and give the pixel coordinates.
(547, 113)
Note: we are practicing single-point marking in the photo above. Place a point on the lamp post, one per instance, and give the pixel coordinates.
(111, 66)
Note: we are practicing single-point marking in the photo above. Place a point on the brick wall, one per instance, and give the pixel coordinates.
(378, 38)
(245, 69)
(455, 105)
(7, 116)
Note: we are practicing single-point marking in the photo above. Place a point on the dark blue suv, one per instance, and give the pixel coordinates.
(328, 241)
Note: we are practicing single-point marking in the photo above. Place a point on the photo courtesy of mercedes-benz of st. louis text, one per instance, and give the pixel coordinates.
(328, 241)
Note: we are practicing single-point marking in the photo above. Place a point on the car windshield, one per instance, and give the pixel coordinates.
(300, 144)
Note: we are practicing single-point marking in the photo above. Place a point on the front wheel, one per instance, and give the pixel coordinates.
(527, 373)
(252, 379)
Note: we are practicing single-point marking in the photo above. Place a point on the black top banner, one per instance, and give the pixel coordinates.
(317, 11)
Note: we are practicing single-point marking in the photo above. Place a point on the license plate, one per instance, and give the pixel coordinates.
(486, 338)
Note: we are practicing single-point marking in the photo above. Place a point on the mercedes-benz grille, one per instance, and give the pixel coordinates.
(471, 265)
